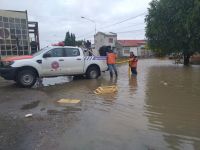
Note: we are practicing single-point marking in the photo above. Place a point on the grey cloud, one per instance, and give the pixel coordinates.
(57, 17)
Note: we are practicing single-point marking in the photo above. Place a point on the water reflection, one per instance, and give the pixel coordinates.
(132, 84)
(172, 105)
(158, 109)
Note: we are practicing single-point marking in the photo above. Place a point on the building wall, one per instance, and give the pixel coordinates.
(135, 50)
(104, 40)
(139, 51)
(14, 37)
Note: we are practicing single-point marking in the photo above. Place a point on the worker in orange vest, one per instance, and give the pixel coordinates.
(111, 60)
(133, 63)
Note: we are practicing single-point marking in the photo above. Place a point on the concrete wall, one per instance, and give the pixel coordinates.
(139, 51)
(103, 40)
(14, 14)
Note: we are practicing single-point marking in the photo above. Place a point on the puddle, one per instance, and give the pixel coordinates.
(30, 106)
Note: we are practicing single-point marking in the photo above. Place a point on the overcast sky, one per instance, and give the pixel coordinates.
(55, 17)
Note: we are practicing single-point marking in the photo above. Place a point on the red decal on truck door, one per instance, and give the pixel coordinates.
(55, 65)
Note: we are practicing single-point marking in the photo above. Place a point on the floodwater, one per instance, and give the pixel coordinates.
(157, 110)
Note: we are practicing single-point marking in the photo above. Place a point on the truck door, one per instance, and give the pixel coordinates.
(73, 61)
(53, 63)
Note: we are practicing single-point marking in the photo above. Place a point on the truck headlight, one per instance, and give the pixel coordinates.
(7, 63)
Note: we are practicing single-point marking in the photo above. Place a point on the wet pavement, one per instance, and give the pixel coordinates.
(157, 110)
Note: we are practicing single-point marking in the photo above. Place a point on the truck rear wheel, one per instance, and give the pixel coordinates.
(92, 72)
(26, 78)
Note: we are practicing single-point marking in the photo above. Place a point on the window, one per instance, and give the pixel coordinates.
(18, 26)
(13, 36)
(8, 47)
(110, 40)
(23, 21)
(26, 52)
(19, 36)
(9, 53)
(3, 47)
(24, 37)
(14, 52)
(24, 31)
(25, 48)
(72, 52)
(5, 19)
(1, 24)
(14, 47)
(6, 25)
(3, 52)
(25, 42)
(18, 31)
(12, 25)
(126, 48)
(23, 26)
(8, 42)
(11, 20)
(56, 52)
(17, 20)
(12, 31)
(2, 41)
(126, 51)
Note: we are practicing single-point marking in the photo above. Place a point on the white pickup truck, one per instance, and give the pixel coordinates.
(51, 62)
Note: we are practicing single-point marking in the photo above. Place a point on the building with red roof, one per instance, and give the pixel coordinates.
(124, 47)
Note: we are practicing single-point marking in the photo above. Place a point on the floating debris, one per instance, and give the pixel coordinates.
(165, 83)
(28, 115)
(69, 101)
(106, 89)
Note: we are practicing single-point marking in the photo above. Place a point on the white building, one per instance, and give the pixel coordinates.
(105, 39)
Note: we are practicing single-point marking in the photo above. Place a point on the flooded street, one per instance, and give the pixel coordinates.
(157, 110)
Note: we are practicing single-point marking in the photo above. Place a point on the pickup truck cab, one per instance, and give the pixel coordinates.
(51, 62)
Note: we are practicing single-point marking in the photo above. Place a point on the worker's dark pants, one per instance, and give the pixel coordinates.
(134, 70)
(112, 67)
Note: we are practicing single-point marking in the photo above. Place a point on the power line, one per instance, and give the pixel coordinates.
(131, 31)
(118, 23)
(133, 25)
(123, 21)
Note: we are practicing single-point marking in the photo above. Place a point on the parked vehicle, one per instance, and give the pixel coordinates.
(51, 62)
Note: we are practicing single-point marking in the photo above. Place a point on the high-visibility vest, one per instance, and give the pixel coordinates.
(133, 62)
(111, 58)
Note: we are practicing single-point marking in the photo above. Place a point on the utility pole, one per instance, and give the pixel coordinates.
(90, 21)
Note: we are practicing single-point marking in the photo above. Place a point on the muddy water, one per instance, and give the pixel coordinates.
(157, 110)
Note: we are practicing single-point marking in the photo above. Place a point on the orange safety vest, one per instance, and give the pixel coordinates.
(133, 62)
(111, 58)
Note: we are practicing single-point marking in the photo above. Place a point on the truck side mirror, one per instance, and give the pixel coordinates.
(46, 55)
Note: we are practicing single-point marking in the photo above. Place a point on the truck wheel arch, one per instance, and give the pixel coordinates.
(93, 66)
(27, 68)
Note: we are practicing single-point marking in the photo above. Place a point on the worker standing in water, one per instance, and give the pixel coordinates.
(111, 62)
(133, 63)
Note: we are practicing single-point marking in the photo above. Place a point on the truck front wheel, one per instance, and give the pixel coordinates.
(26, 78)
(92, 72)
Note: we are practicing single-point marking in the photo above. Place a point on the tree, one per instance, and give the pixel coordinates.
(80, 43)
(174, 26)
(67, 40)
(70, 39)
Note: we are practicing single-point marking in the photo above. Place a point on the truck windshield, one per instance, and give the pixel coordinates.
(40, 51)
